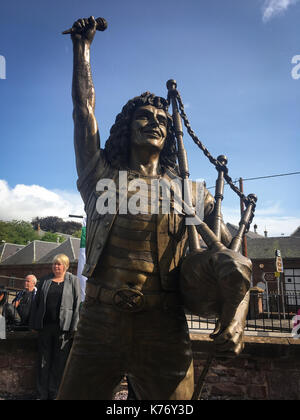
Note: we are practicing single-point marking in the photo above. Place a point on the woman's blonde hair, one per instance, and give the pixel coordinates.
(63, 259)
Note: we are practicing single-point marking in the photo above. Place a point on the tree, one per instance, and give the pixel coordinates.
(49, 224)
(21, 232)
(52, 237)
(77, 234)
(17, 232)
(55, 224)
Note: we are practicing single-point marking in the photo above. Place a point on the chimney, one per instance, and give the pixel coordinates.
(266, 233)
(255, 228)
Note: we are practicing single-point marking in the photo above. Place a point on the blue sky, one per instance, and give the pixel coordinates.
(232, 60)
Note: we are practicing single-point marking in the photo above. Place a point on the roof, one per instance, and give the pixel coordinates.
(69, 247)
(233, 229)
(7, 250)
(265, 247)
(296, 233)
(31, 253)
(63, 235)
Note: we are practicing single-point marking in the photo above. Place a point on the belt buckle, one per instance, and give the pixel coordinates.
(128, 300)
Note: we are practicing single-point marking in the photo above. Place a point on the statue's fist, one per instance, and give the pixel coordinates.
(229, 342)
(84, 29)
(229, 332)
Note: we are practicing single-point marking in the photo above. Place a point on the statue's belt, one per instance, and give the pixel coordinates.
(128, 299)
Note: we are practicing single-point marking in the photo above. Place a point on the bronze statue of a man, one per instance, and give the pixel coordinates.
(132, 321)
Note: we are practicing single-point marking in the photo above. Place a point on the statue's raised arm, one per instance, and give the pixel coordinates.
(86, 134)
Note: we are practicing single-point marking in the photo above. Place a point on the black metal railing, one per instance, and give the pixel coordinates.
(268, 312)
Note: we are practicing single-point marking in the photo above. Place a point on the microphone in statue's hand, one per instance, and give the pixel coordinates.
(101, 26)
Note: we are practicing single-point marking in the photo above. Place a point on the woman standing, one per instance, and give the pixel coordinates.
(55, 315)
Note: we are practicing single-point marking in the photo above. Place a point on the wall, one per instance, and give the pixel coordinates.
(268, 369)
(18, 355)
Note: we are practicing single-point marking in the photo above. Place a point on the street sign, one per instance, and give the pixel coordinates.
(269, 276)
(279, 265)
(278, 261)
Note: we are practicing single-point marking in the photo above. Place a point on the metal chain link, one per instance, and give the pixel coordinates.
(214, 161)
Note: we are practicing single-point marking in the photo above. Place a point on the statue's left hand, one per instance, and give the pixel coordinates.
(229, 341)
(228, 335)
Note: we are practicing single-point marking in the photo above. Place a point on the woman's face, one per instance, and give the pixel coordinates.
(58, 269)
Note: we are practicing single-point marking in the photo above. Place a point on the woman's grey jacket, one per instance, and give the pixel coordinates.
(69, 309)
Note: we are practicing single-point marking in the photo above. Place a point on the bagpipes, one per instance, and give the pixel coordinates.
(194, 291)
(210, 236)
(225, 294)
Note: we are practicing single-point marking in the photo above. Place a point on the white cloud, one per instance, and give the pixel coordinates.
(273, 8)
(276, 226)
(24, 202)
(272, 218)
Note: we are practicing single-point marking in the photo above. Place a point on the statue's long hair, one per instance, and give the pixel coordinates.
(117, 146)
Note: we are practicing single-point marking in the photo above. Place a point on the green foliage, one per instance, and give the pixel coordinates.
(55, 224)
(20, 232)
(17, 232)
(52, 237)
(77, 234)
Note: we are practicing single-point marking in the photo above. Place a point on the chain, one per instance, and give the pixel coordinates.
(201, 146)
